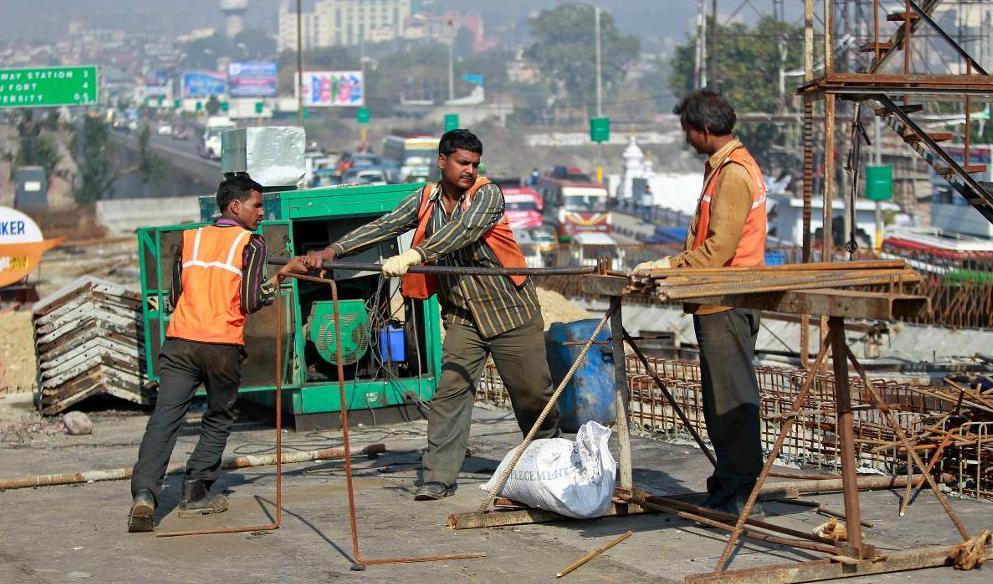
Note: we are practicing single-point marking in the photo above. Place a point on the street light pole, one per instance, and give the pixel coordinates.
(451, 62)
(599, 89)
(299, 65)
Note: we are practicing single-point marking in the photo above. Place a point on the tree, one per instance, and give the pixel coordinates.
(564, 51)
(94, 154)
(151, 167)
(748, 62)
(212, 106)
(36, 148)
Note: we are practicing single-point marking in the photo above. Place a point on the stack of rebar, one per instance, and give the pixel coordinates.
(89, 340)
(689, 283)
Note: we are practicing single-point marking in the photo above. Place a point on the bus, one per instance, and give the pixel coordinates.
(574, 207)
(416, 157)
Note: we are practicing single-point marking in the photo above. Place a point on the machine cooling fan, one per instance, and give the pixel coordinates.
(355, 330)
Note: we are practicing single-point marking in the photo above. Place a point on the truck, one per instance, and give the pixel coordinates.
(209, 145)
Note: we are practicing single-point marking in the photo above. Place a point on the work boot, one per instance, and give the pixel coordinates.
(196, 500)
(142, 514)
(433, 491)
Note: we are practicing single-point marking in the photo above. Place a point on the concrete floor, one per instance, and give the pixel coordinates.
(78, 533)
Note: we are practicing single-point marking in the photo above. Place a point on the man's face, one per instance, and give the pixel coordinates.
(249, 211)
(460, 168)
(694, 137)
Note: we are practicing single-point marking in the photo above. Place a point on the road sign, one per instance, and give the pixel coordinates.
(199, 106)
(258, 106)
(451, 122)
(48, 86)
(600, 129)
(362, 115)
(225, 106)
(176, 104)
(878, 183)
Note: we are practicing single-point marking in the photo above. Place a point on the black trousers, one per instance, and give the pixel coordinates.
(183, 366)
(730, 397)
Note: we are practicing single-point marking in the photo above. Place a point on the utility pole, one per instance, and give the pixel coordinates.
(451, 62)
(599, 89)
(711, 35)
(299, 65)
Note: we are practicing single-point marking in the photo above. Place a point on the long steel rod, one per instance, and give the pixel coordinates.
(902, 435)
(668, 396)
(552, 401)
(594, 553)
(452, 270)
(920, 484)
(361, 562)
(773, 454)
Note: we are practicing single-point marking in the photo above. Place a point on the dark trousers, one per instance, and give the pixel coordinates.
(730, 397)
(183, 366)
(519, 356)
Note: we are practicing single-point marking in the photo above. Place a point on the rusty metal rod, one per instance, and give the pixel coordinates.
(844, 428)
(856, 265)
(594, 553)
(665, 391)
(773, 454)
(930, 466)
(898, 429)
(704, 291)
(359, 562)
(519, 451)
(750, 533)
(451, 270)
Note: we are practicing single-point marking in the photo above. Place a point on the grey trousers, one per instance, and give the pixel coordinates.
(184, 365)
(730, 397)
(519, 356)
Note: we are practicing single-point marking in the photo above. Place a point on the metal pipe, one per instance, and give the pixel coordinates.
(519, 451)
(771, 457)
(908, 497)
(451, 270)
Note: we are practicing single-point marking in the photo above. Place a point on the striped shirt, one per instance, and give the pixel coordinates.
(492, 303)
(253, 261)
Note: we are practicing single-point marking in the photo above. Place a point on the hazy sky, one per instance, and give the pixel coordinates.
(47, 19)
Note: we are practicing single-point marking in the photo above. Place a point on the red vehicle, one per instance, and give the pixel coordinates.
(574, 207)
(522, 211)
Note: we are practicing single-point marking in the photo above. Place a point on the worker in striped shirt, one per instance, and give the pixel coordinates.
(459, 222)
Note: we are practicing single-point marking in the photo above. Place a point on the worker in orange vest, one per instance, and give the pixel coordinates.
(460, 222)
(217, 280)
(728, 229)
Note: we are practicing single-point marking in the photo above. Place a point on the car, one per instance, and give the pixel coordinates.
(164, 130)
(364, 176)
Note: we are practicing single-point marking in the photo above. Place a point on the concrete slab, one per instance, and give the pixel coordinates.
(77, 533)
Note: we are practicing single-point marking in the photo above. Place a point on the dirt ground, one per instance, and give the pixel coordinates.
(77, 533)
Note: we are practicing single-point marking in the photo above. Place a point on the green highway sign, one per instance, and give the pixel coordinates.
(451, 122)
(176, 104)
(48, 86)
(258, 107)
(599, 129)
(362, 115)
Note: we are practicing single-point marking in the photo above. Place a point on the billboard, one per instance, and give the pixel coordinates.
(253, 79)
(157, 84)
(332, 88)
(203, 84)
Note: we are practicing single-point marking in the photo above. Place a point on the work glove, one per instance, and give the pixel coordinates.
(645, 267)
(398, 265)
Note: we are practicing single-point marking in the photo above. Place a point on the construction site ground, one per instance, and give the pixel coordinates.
(78, 533)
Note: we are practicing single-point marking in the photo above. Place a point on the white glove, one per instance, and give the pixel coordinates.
(662, 264)
(398, 265)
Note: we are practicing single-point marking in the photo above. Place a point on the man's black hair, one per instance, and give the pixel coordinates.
(235, 188)
(706, 109)
(459, 140)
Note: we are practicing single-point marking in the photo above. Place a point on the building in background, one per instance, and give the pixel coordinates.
(342, 23)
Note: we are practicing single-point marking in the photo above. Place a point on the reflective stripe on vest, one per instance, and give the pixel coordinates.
(499, 238)
(751, 246)
(209, 309)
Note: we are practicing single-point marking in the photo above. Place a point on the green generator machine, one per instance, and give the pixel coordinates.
(391, 347)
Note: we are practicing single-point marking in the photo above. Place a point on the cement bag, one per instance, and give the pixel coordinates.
(572, 478)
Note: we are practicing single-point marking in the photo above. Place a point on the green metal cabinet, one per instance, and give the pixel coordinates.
(297, 221)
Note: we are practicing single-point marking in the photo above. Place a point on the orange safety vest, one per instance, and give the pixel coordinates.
(751, 246)
(209, 309)
(499, 238)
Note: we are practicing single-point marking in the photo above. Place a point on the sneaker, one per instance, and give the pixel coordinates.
(142, 515)
(433, 491)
